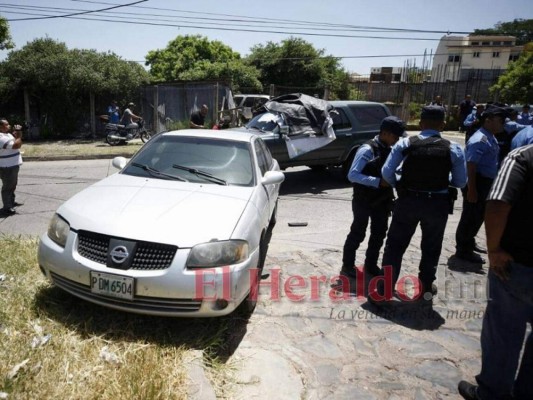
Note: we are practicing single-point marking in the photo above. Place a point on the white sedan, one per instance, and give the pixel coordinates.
(180, 231)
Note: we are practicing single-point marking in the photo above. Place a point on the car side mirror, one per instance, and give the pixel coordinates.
(119, 162)
(273, 178)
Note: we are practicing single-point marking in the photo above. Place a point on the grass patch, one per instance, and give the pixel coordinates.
(78, 148)
(146, 356)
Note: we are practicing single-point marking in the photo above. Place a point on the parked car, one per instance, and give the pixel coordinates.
(181, 230)
(354, 123)
(247, 103)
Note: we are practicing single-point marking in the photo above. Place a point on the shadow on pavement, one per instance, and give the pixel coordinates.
(409, 315)
(455, 264)
(312, 182)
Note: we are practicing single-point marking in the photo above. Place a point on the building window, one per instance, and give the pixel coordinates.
(475, 43)
(485, 43)
(495, 54)
(496, 43)
(507, 43)
(476, 54)
(454, 58)
(513, 57)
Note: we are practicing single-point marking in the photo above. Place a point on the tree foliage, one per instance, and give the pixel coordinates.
(194, 57)
(516, 84)
(61, 79)
(295, 63)
(5, 37)
(522, 29)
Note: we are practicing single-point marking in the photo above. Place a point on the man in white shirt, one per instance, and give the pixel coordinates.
(10, 161)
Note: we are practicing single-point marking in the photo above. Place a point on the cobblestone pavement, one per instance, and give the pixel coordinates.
(319, 348)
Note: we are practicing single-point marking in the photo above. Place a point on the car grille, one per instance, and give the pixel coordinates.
(139, 303)
(148, 256)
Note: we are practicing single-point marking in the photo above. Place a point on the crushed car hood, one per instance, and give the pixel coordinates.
(156, 210)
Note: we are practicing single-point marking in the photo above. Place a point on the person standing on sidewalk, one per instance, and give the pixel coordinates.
(10, 161)
(482, 152)
(423, 198)
(508, 220)
(372, 198)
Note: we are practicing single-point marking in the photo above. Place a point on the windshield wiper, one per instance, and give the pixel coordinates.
(202, 174)
(153, 171)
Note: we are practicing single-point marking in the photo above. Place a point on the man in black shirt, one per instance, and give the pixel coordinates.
(508, 221)
(197, 120)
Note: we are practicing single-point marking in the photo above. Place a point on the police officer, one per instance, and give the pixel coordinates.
(423, 197)
(482, 152)
(372, 198)
(508, 222)
(525, 117)
(472, 122)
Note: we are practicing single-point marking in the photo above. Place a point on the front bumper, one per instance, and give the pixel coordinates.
(175, 291)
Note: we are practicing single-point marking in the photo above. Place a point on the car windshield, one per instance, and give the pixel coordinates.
(194, 159)
(267, 122)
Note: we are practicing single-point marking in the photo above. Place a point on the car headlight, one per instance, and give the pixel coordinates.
(58, 230)
(216, 254)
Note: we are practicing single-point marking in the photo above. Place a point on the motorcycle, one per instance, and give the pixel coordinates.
(116, 134)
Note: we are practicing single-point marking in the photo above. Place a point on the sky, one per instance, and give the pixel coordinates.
(362, 33)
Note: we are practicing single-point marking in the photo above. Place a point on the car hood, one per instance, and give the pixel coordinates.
(155, 210)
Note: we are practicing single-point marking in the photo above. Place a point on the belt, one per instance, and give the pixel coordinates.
(426, 195)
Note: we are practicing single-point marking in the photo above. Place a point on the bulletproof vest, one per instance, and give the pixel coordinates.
(427, 164)
(373, 168)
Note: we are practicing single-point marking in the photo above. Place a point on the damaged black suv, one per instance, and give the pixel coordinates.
(354, 123)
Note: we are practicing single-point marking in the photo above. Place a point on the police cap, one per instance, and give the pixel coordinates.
(496, 110)
(393, 124)
(435, 113)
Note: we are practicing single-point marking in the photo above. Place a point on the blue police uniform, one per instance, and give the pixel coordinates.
(522, 138)
(482, 151)
(471, 123)
(423, 196)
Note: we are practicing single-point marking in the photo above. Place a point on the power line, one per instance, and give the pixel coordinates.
(218, 19)
(241, 23)
(448, 32)
(79, 13)
(249, 30)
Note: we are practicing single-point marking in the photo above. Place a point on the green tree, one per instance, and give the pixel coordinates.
(5, 37)
(61, 79)
(515, 84)
(194, 57)
(522, 29)
(295, 63)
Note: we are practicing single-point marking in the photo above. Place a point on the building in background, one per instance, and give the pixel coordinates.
(460, 58)
(386, 74)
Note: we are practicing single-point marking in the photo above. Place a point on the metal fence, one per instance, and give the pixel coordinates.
(167, 105)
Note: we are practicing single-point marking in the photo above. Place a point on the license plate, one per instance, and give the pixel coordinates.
(112, 285)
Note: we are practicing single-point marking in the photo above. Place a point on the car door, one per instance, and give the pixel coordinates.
(266, 163)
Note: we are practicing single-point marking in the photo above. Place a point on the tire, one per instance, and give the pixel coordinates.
(111, 140)
(145, 135)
